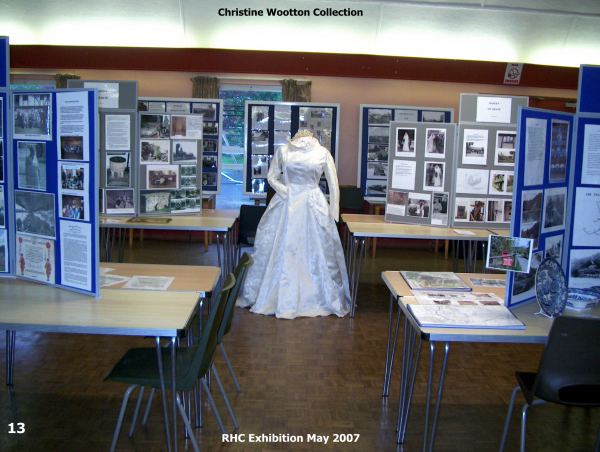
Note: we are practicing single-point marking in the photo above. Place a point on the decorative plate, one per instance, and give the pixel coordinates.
(551, 288)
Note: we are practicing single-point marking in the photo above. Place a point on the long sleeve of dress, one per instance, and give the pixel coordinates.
(276, 173)
(334, 189)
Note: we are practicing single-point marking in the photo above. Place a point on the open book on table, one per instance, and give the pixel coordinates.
(477, 316)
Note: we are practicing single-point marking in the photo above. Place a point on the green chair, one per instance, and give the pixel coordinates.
(240, 275)
(139, 367)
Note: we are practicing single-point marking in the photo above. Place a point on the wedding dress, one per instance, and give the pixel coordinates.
(299, 268)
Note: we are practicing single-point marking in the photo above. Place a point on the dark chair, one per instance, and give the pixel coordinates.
(568, 373)
(351, 199)
(250, 216)
(139, 367)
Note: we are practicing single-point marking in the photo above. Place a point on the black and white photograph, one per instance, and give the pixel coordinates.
(209, 179)
(505, 148)
(187, 170)
(280, 138)
(207, 110)
(377, 170)
(155, 201)
(553, 246)
(434, 173)
(469, 210)
(555, 204)
(209, 145)
(433, 116)
(406, 142)
(31, 165)
(155, 126)
(3, 251)
(154, 151)
(73, 207)
(151, 106)
(316, 118)
(260, 166)
(117, 169)
(73, 177)
(584, 269)
(120, 201)
(376, 187)
(185, 151)
(435, 143)
(439, 216)
(559, 141)
(524, 283)
(71, 147)
(379, 116)
(187, 126)
(260, 141)
(35, 213)
(507, 211)
(209, 163)
(531, 215)
(377, 153)
(258, 186)
(379, 135)
(2, 208)
(210, 128)
(162, 176)
(396, 202)
(187, 182)
(260, 117)
(472, 181)
(475, 142)
(501, 182)
(419, 205)
(32, 116)
(495, 210)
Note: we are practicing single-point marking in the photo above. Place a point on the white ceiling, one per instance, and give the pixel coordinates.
(553, 32)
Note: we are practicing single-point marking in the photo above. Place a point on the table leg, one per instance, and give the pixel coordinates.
(174, 391)
(429, 436)
(410, 363)
(391, 344)
(10, 355)
(359, 251)
(163, 393)
(219, 262)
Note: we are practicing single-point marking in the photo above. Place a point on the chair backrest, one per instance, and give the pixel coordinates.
(569, 371)
(351, 198)
(250, 216)
(240, 274)
(205, 349)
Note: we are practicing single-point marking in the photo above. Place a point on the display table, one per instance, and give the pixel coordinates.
(30, 306)
(362, 227)
(536, 332)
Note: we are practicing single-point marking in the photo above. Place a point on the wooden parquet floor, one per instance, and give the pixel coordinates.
(304, 376)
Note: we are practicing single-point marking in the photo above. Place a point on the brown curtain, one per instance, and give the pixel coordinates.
(295, 91)
(204, 87)
(61, 79)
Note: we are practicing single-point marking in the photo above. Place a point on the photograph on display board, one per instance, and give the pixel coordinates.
(433, 116)
(260, 166)
(151, 106)
(553, 246)
(435, 143)
(73, 176)
(505, 148)
(379, 136)
(376, 187)
(531, 215)
(185, 151)
(501, 182)
(187, 182)
(377, 170)
(559, 136)
(71, 147)
(259, 141)
(473, 181)
(474, 150)
(209, 179)
(207, 110)
(434, 176)
(120, 201)
(154, 151)
(259, 186)
(396, 202)
(280, 138)
(209, 128)
(155, 201)
(419, 205)
(260, 117)
(182, 201)
(377, 153)
(209, 145)
(507, 211)
(405, 142)
(2, 208)
(162, 176)
(584, 269)
(209, 163)
(188, 170)
(509, 253)
(117, 169)
(524, 283)
(187, 126)
(586, 230)
(73, 207)
(178, 107)
(379, 116)
(316, 118)
(35, 258)
(406, 115)
(555, 205)
(3, 251)
(155, 126)
(31, 165)
(440, 209)
(32, 116)
(495, 211)
(469, 210)
(35, 213)
(283, 117)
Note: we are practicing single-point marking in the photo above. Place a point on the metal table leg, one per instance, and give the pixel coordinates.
(163, 393)
(358, 255)
(429, 436)
(391, 344)
(10, 355)
(174, 391)
(411, 353)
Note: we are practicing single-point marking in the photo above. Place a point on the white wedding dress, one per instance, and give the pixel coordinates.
(299, 268)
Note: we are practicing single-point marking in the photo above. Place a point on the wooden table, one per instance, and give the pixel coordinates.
(219, 221)
(536, 332)
(31, 306)
(361, 227)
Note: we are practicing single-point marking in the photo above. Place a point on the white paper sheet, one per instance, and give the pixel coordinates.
(493, 109)
(403, 174)
(535, 148)
(117, 132)
(590, 170)
(149, 282)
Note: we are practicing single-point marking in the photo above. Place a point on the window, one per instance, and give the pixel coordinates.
(234, 97)
(31, 81)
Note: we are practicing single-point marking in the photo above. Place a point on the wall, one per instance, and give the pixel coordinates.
(349, 92)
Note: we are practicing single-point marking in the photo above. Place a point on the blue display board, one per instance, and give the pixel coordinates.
(5, 189)
(55, 178)
(374, 122)
(4, 62)
(271, 124)
(588, 99)
(541, 192)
